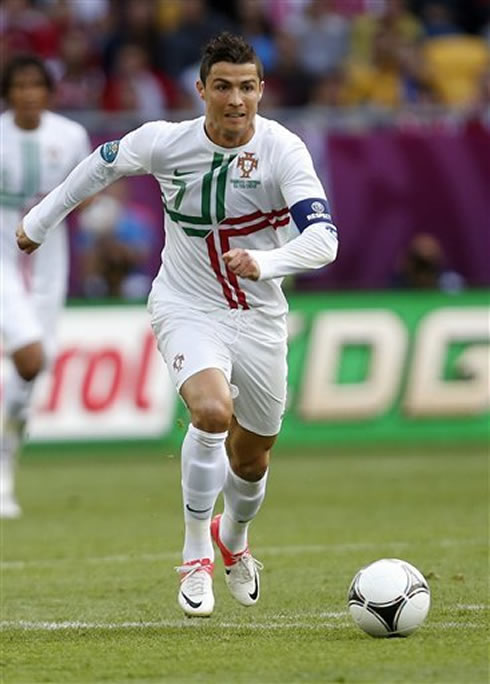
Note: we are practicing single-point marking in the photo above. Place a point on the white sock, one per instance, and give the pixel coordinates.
(16, 400)
(17, 394)
(243, 500)
(204, 464)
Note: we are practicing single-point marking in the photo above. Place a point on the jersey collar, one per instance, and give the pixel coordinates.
(227, 150)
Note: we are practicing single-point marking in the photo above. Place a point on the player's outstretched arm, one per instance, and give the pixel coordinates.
(86, 179)
(108, 163)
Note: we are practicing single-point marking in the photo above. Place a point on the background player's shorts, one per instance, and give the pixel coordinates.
(33, 290)
(20, 324)
(249, 347)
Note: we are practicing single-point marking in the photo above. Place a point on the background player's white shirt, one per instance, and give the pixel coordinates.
(215, 198)
(31, 164)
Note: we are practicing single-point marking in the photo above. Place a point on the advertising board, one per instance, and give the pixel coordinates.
(362, 366)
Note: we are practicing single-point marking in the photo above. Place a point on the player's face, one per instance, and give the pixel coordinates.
(232, 94)
(28, 95)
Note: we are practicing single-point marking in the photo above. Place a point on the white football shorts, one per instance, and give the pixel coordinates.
(247, 346)
(33, 289)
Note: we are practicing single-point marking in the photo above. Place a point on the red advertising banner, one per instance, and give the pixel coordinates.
(108, 381)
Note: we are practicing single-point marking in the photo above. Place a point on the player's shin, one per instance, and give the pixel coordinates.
(243, 500)
(204, 466)
(12, 432)
(15, 409)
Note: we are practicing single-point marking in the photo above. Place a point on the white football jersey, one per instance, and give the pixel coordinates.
(33, 289)
(257, 196)
(32, 163)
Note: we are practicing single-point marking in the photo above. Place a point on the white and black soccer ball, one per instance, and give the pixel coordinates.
(389, 598)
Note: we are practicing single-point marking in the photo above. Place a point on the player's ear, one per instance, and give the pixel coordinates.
(261, 90)
(200, 88)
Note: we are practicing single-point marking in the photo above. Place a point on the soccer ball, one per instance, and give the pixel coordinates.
(389, 598)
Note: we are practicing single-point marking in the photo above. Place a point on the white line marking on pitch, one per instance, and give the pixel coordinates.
(175, 624)
(456, 625)
(165, 624)
(261, 551)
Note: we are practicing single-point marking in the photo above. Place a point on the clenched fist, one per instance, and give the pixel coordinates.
(242, 264)
(23, 242)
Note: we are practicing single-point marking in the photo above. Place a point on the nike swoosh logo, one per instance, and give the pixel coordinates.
(255, 592)
(196, 510)
(181, 173)
(193, 604)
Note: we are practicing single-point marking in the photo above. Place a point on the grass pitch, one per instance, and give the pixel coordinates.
(88, 592)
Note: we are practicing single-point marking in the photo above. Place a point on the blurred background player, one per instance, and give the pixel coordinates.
(38, 149)
(231, 182)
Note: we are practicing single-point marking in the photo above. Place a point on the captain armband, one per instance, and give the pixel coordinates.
(313, 210)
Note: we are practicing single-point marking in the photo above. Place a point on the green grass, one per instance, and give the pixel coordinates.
(101, 533)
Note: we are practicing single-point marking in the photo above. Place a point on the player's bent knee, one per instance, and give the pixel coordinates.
(29, 371)
(29, 361)
(212, 415)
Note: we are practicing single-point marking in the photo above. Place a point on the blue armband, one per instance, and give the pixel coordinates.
(309, 211)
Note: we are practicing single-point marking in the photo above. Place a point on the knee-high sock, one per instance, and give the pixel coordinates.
(15, 410)
(204, 464)
(243, 500)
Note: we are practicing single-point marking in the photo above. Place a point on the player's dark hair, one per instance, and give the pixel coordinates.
(228, 48)
(19, 63)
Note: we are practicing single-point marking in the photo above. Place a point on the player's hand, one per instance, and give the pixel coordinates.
(23, 242)
(242, 264)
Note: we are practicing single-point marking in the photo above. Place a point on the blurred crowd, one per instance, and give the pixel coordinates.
(141, 56)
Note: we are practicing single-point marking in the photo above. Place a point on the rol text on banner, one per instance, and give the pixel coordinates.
(108, 381)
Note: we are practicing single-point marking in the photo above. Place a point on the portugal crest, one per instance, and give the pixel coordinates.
(178, 362)
(247, 163)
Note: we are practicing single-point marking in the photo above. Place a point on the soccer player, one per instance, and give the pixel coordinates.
(243, 207)
(38, 149)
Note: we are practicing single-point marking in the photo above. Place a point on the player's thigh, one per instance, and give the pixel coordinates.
(207, 395)
(188, 344)
(50, 279)
(260, 374)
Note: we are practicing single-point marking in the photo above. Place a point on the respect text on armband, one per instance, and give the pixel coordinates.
(318, 217)
(308, 211)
